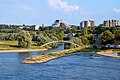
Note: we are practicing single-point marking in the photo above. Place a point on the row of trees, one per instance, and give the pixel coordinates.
(8, 36)
(45, 35)
(108, 37)
(25, 38)
(83, 39)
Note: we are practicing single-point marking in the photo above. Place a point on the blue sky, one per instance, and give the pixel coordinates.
(46, 11)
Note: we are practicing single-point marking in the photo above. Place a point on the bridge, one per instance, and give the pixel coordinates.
(60, 42)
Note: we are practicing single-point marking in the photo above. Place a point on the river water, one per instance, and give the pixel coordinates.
(74, 67)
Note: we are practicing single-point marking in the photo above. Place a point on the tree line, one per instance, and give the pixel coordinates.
(86, 36)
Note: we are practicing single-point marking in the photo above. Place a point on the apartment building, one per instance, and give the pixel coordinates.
(59, 23)
(110, 23)
(88, 23)
(35, 27)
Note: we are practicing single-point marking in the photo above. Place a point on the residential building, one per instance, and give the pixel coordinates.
(24, 27)
(110, 23)
(56, 23)
(88, 23)
(59, 23)
(35, 27)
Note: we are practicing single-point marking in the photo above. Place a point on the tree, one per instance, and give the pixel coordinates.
(60, 35)
(107, 37)
(91, 38)
(84, 40)
(117, 34)
(24, 39)
(85, 31)
(99, 30)
(74, 29)
(68, 30)
(34, 36)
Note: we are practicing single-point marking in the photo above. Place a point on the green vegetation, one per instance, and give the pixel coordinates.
(90, 50)
(107, 37)
(9, 45)
(24, 39)
(13, 45)
(49, 56)
(117, 34)
(28, 38)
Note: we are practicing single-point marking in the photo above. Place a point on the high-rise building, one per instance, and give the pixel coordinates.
(35, 27)
(56, 23)
(110, 23)
(59, 23)
(88, 23)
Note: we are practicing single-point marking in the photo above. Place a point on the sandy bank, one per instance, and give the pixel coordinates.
(23, 50)
(108, 53)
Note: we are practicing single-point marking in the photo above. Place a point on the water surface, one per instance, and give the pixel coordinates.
(66, 68)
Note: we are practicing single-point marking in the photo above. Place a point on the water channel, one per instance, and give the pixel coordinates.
(74, 67)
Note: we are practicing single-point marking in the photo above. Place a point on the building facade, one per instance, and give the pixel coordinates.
(88, 23)
(35, 27)
(59, 23)
(110, 23)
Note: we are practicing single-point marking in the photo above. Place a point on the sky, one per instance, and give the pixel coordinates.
(37, 12)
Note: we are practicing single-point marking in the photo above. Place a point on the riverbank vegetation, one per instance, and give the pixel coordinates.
(50, 56)
(28, 38)
(13, 45)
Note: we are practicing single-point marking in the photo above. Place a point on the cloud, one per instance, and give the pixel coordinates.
(62, 5)
(117, 10)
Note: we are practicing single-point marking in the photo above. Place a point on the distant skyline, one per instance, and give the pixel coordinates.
(37, 12)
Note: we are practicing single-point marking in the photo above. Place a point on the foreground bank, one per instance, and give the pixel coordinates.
(50, 56)
(109, 53)
(23, 50)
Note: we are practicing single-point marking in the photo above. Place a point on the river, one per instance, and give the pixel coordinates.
(74, 67)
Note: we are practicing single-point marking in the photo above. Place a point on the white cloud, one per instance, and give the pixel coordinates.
(117, 10)
(62, 5)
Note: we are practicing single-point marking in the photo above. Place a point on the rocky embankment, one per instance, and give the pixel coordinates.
(47, 57)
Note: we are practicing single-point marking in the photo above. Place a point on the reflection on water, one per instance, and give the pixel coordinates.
(76, 67)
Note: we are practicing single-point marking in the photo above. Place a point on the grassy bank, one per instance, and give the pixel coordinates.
(46, 57)
(50, 56)
(13, 45)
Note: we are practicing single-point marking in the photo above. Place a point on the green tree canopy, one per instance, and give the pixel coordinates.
(91, 38)
(117, 34)
(24, 39)
(84, 40)
(107, 37)
(85, 31)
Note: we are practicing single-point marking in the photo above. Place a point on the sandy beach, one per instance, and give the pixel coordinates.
(108, 53)
(23, 50)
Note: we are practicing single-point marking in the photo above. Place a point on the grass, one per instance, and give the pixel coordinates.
(50, 56)
(90, 50)
(46, 57)
(13, 45)
(97, 50)
(8, 45)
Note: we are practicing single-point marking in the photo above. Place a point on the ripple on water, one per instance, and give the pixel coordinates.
(66, 68)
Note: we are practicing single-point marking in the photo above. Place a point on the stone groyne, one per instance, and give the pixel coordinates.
(50, 56)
